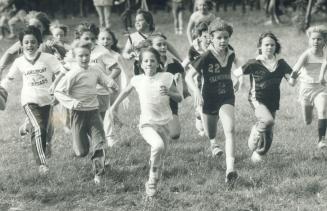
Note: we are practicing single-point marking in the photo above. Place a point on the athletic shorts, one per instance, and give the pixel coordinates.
(308, 92)
(103, 2)
(212, 107)
(104, 101)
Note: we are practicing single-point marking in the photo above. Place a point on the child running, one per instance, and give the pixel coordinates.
(77, 91)
(58, 44)
(216, 96)
(199, 46)
(309, 69)
(38, 70)
(177, 9)
(144, 26)
(202, 14)
(155, 88)
(266, 73)
(159, 42)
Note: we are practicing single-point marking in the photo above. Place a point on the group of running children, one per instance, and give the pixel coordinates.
(89, 72)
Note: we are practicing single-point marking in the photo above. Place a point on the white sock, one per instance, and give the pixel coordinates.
(213, 142)
(230, 164)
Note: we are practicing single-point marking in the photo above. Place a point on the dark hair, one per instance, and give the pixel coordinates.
(114, 46)
(154, 52)
(272, 36)
(43, 18)
(219, 24)
(86, 27)
(31, 30)
(200, 28)
(148, 18)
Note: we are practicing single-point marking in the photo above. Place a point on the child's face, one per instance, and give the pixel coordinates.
(105, 39)
(220, 39)
(316, 40)
(38, 24)
(202, 6)
(82, 56)
(30, 44)
(58, 34)
(140, 23)
(160, 44)
(204, 39)
(88, 37)
(149, 63)
(268, 46)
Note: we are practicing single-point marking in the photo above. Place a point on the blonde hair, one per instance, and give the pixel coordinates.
(321, 29)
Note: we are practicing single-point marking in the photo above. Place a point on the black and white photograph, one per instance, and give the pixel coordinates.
(163, 105)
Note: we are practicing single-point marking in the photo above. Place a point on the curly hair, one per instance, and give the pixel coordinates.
(148, 18)
(31, 30)
(219, 24)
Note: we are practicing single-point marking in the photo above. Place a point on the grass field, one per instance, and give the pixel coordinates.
(293, 177)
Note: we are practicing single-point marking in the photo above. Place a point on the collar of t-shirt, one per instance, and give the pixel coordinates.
(222, 61)
(271, 64)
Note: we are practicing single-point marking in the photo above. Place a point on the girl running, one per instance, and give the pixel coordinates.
(313, 93)
(155, 88)
(216, 96)
(266, 73)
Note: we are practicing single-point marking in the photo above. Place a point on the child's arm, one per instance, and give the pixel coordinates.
(107, 82)
(62, 93)
(189, 78)
(322, 73)
(9, 56)
(296, 69)
(13, 71)
(115, 71)
(125, 92)
(238, 74)
(172, 92)
(190, 26)
(128, 52)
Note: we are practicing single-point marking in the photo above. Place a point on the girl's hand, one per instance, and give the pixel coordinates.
(77, 104)
(291, 81)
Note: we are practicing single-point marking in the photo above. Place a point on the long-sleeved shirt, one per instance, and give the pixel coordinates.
(78, 87)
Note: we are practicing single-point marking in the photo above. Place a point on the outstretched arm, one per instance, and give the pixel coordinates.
(322, 73)
(296, 69)
(121, 97)
(189, 78)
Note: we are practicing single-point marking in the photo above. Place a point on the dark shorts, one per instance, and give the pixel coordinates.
(173, 107)
(212, 107)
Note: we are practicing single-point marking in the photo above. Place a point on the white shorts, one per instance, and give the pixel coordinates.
(309, 91)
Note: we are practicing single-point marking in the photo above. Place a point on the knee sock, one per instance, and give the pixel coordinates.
(322, 125)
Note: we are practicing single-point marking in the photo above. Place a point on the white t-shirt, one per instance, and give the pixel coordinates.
(155, 107)
(37, 77)
(310, 70)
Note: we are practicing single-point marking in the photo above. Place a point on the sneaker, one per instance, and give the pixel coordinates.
(253, 140)
(231, 177)
(256, 157)
(322, 144)
(43, 170)
(151, 188)
(97, 179)
(216, 151)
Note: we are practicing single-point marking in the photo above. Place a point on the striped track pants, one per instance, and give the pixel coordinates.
(40, 118)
